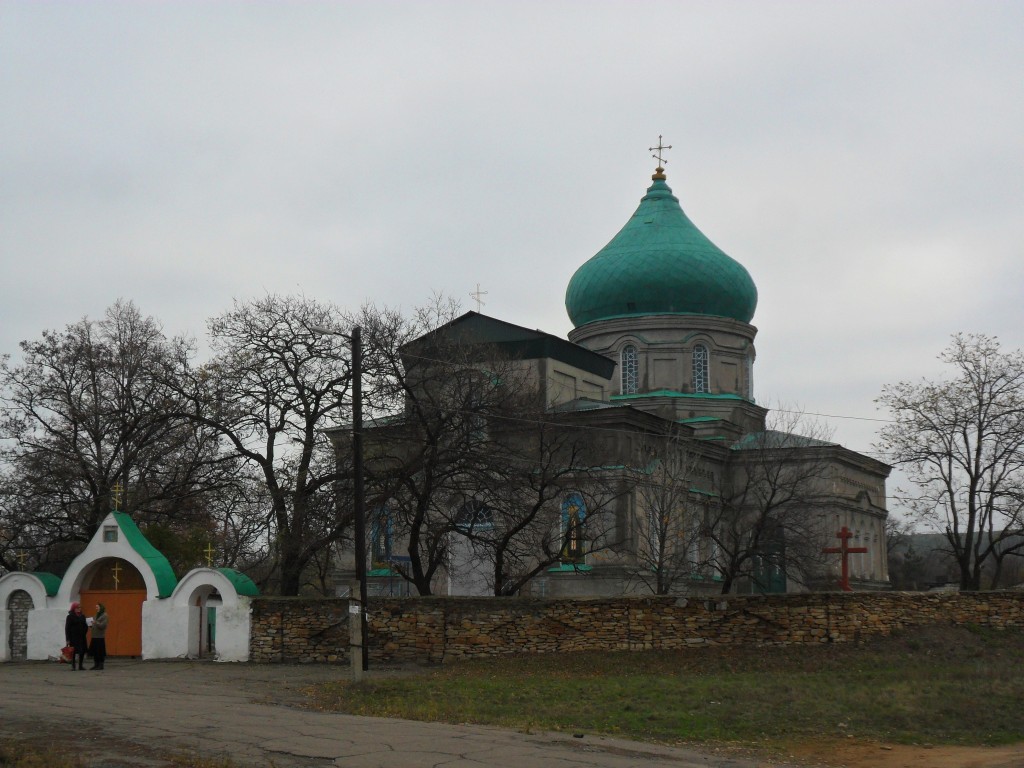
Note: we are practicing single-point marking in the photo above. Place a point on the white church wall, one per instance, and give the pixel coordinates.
(164, 630)
(468, 573)
(233, 631)
(46, 632)
(203, 588)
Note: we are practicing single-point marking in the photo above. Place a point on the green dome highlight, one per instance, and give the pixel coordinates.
(660, 263)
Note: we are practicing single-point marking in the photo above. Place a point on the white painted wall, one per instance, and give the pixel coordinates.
(170, 625)
(45, 625)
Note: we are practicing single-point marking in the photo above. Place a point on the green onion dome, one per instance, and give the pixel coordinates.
(660, 263)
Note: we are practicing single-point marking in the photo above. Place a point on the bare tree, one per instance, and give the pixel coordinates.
(672, 507)
(961, 442)
(87, 419)
(474, 459)
(547, 498)
(271, 388)
(767, 523)
(433, 453)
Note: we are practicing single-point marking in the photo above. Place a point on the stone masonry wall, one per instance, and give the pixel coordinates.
(19, 604)
(431, 630)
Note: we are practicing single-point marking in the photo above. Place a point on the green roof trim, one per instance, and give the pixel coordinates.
(166, 581)
(660, 263)
(51, 583)
(570, 568)
(699, 492)
(243, 584)
(685, 395)
(772, 439)
(699, 420)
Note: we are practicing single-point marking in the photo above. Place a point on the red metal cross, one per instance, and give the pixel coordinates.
(844, 536)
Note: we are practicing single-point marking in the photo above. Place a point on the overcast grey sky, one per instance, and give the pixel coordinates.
(863, 160)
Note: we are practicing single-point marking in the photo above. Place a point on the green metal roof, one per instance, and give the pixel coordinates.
(51, 583)
(242, 583)
(166, 581)
(660, 263)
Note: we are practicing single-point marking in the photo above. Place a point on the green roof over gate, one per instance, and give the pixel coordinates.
(166, 581)
(243, 584)
(51, 582)
(660, 263)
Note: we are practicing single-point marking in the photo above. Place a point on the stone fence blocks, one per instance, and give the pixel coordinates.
(431, 630)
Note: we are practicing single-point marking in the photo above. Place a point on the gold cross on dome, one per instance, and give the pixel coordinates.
(209, 554)
(660, 149)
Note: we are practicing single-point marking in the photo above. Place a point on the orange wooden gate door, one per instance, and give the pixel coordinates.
(124, 632)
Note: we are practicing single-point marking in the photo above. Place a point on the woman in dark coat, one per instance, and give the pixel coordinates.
(75, 630)
(99, 637)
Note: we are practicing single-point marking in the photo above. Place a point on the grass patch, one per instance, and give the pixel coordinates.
(19, 753)
(944, 686)
(36, 753)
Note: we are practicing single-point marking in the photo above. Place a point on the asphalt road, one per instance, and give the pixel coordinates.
(135, 713)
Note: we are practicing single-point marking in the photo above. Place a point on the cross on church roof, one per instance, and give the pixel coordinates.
(660, 149)
(476, 297)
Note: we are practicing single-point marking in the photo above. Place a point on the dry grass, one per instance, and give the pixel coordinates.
(36, 753)
(939, 686)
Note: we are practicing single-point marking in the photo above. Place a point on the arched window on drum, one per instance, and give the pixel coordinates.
(701, 379)
(630, 370)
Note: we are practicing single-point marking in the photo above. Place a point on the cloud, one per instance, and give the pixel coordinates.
(862, 160)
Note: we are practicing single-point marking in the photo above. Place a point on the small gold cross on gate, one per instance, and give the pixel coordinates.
(117, 490)
(116, 573)
(209, 554)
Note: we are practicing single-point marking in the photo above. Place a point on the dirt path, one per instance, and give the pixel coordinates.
(858, 755)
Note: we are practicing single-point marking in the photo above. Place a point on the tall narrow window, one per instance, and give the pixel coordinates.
(750, 377)
(630, 370)
(573, 517)
(381, 538)
(700, 369)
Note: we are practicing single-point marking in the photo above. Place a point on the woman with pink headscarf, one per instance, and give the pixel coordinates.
(75, 630)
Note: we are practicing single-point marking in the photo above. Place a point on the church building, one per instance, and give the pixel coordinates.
(663, 344)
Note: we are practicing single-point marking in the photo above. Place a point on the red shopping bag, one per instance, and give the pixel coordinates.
(67, 653)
